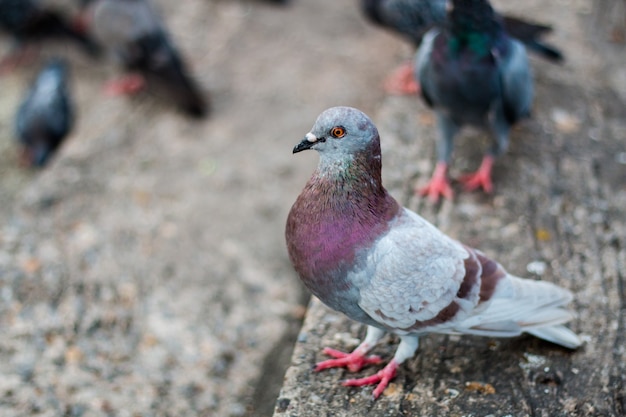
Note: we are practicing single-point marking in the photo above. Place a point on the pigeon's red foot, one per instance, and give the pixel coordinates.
(354, 361)
(402, 81)
(481, 178)
(381, 378)
(438, 184)
(127, 85)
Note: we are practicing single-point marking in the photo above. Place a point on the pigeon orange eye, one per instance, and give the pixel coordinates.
(338, 132)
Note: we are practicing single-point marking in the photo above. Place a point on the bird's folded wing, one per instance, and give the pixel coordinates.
(516, 81)
(415, 274)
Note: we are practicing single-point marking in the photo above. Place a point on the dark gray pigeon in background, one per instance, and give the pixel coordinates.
(133, 31)
(45, 117)
(472, 73)
(413, 18)
(362, 254)
(28, 21)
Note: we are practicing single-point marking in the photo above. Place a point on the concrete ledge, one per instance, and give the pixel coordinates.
(557, 215)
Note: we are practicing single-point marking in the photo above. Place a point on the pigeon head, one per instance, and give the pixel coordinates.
(52, 76)
(342, 133)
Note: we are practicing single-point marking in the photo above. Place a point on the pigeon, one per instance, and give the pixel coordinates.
(413, 18)
(135, 34)
(45, 117)
(29, 20)
(361, 253)
(472, 73)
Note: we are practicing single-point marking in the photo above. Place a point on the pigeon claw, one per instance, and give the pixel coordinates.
(402, 81)
(382, 378)
(438, 185)
(353, 361)
(481, 178)
(477, 180)
(436, 189)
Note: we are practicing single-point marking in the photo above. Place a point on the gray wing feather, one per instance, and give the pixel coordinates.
(517, 83)
(423, 67)
(414, 271)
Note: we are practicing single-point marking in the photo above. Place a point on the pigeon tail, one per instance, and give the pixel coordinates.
(559, 335)
(523, 305)
(157, 58)
(545, 50)
(192, 100)
(529, 34)
(524, 30)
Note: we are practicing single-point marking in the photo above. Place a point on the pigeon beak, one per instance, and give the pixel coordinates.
(309, 140)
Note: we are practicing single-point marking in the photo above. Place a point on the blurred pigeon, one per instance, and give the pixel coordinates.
(45, 117)
(383, 265)
(133, 31)
(29, 20)
(413, 18)
(472, 72)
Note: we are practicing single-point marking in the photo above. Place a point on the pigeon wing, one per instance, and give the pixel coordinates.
(517, 84)
(413, 18)
(416, 275)
(423, 66)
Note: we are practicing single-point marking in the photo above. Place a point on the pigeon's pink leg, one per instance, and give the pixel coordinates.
(406, 349)
(381, 378)
(128, 84)
(438, 184)
(402, 81)
(481, 178)
(353, 361)
(357, 359)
